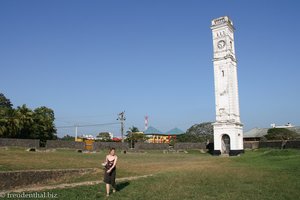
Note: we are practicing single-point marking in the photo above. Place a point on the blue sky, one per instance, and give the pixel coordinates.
(90, 60)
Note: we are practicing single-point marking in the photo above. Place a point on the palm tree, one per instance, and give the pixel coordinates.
(25, 115)
(134, 129)
(10, 123)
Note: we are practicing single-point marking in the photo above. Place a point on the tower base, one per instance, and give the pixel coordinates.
(231, 152)
(228, 138)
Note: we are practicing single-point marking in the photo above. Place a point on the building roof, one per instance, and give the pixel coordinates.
(256, 133)
(174, 131)
(260, 132)
(151, 131)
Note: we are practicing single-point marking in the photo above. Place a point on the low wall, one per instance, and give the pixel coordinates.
(17, 179)
(106, 145)
(271, 144)
(187, 145)
(35, 143)
(251, 144)
(53, 144)
(29, 143)
(151, 146)
(293, 144)
(278, 144)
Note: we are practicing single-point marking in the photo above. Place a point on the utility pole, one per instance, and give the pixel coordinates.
(121, 117)
(76, 130)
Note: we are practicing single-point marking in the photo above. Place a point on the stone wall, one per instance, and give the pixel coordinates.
(251, 144)
(17, 179)
(35, 143)
(107, 145)
(293, 144)
(247, 145)
(278, 144)
(29, 143)
(271, 144)
(151, 146)
(53, 144)
(187, 145)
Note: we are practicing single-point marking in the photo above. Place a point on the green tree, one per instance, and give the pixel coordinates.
(133, 129)
(23, 122)
(68, 138)
(6, 116)
(186, 138)
(281, 134)
(10, 123)
(25, 117)
(5, 102)
(43, 128)
(104, 137)
(134, 135)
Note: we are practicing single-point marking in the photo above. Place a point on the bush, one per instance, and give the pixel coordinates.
(197, 133)
(281, 134)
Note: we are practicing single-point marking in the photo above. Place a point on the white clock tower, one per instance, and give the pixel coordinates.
(228, 129)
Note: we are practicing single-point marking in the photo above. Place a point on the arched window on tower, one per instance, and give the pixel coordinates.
(223, 73)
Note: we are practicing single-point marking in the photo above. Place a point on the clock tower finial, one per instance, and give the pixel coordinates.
(228, 130)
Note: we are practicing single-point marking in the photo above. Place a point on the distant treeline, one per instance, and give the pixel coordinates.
(23, 122)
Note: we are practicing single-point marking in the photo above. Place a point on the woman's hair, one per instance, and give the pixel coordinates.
(112, 148)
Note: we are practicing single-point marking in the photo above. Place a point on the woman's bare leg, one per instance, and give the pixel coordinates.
(113, 183)
(107, 189)
(114, 187)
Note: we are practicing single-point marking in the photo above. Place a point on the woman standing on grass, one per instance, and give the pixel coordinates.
(110, 171)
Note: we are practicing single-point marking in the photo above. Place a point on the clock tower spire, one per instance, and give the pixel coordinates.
(228, 129)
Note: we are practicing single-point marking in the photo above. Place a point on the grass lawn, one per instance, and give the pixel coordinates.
(261, 174)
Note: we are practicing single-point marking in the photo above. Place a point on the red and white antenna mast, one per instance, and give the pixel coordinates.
(146, 122)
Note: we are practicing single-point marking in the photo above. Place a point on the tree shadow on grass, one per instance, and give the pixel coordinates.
(122, 185)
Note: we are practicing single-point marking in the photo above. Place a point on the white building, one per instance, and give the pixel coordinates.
(288, 125)
(228, 129)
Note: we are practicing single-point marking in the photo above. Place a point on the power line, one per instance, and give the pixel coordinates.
(84, 116)
(90, 125)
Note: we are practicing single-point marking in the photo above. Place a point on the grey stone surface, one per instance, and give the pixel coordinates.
(30, 143)
(271, 144)
(53, 144)
(293, 144)
(107, 145)
(251, 144)
(151, 146)
(190, 146)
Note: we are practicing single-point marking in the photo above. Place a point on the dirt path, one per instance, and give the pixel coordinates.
(68, 185)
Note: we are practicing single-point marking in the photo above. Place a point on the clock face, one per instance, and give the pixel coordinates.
(221, 44)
